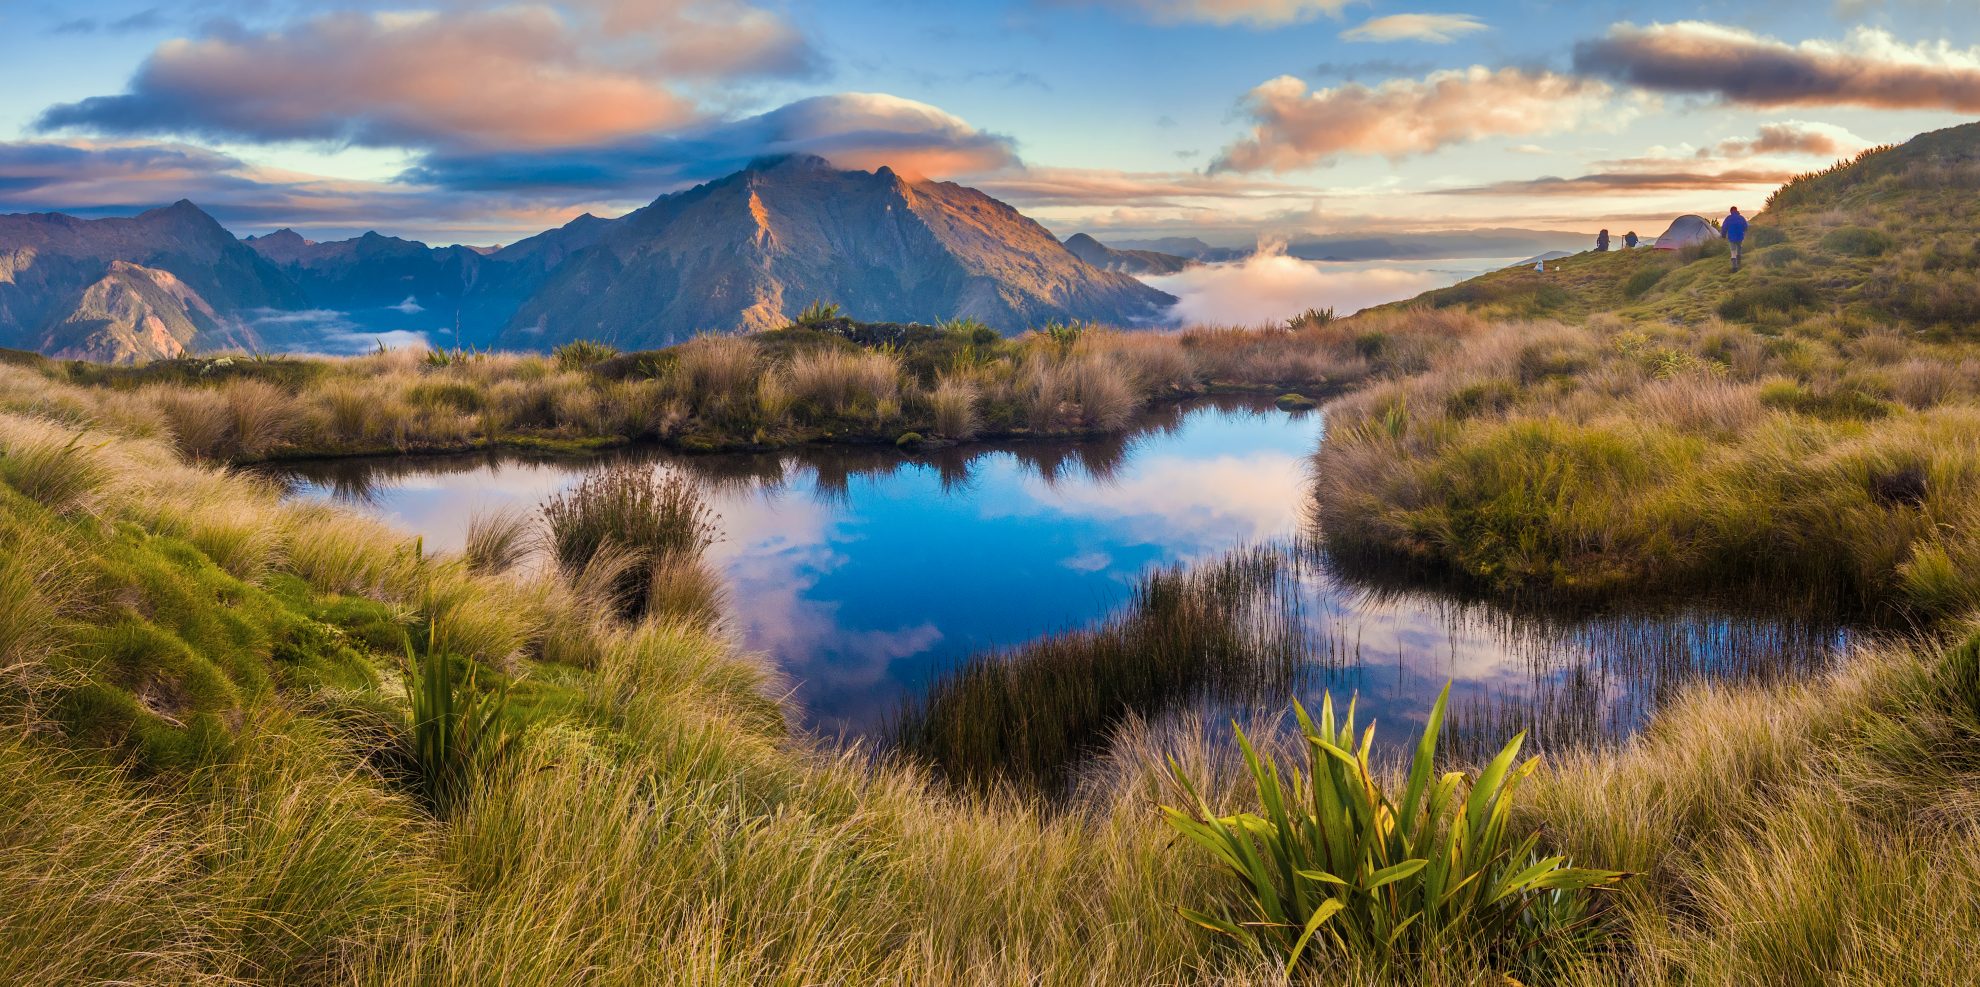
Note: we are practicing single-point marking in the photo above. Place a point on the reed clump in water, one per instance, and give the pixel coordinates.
(1029, 715)
(660, 520)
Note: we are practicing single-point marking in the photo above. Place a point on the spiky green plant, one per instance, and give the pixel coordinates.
(1065, 334)
(1312, 318)
(581, 353)
(458, 732)
(1331, 856)
(819, 312)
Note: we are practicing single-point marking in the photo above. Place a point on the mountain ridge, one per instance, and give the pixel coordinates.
(743, 252)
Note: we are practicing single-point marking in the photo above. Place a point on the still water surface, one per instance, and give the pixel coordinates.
(865, 572)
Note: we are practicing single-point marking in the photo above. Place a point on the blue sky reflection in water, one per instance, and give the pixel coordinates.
(864, 573)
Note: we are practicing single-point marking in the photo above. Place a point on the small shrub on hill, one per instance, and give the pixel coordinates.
(1642, 281)
(581, 353)
(1778, 297)
(1857, 241)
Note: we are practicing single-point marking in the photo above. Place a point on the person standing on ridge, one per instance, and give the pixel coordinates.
(1735, 229)
(1602, 242)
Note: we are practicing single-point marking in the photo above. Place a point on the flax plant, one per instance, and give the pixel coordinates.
(458, 732)
(1331, 856)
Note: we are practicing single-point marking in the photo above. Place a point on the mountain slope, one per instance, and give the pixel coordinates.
(750, 250)
(1108, 258)
(136, 313)
(185, 282)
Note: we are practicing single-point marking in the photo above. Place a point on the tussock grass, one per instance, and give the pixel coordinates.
(1596, 459)
(50, 466)
(834, 380)
(1334, 860)
(498, 540)
(660, 523)
(244, 818)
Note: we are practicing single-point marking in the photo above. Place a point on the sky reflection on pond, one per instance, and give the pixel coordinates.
(866, 572)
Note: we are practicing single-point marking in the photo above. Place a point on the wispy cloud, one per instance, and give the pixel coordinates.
(1611, 183)
(1868, 68)
(1090, 186)
(1436, 29)
(1297, 129)
(1797, 137)
(1248, 13)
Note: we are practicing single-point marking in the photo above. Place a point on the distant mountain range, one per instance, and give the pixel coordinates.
(744, 252)
(1128, 261)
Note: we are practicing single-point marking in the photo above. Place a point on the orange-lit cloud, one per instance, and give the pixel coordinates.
(1868, 68)
(513, 76)
(1297, 129)
(1789, 137)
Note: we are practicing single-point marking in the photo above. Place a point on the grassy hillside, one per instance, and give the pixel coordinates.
(1655, 422)
(1891, 237)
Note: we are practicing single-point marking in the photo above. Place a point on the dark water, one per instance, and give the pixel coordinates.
(865, 572)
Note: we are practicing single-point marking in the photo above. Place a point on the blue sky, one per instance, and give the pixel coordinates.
(482, 120)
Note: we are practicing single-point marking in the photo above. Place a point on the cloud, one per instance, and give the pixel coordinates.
(90, 178)
(1789, 137)
(1761, 155)
(1436, 29)
(1869, 68)
(1249, 13)
(1269, 286)
(475, 195)
(1611, 183)
(852, 130)
(1299, 129)
(1092, 186)
(530, 75)
(149, 19)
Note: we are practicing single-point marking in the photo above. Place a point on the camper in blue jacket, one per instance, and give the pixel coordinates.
(1735, 228)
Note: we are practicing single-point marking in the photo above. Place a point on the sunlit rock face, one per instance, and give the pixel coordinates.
(142, 287)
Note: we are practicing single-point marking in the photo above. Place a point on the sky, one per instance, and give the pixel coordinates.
(1236, 121)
